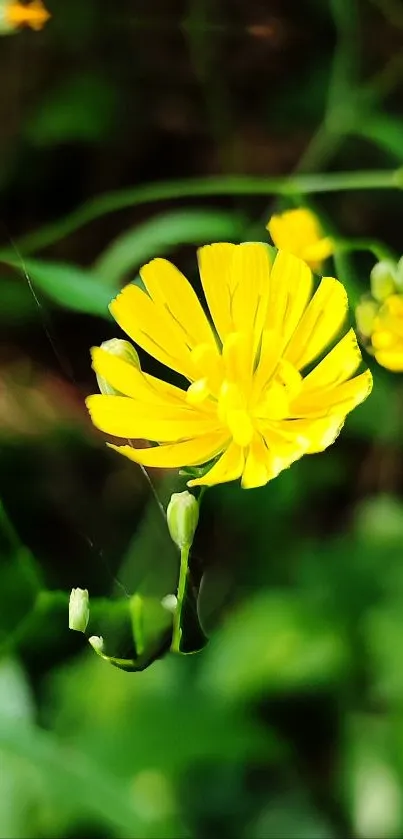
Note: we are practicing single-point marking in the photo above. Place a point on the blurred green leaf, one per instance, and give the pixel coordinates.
(16, 301)
(370, 780)
(158, 718)
(274, 643)
(385, 131)
(16, 699)
(70, 286)
(162, 234)
(71, 775)
(81, 109)
(20, 579)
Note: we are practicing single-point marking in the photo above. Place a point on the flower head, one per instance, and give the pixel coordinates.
(379, 315)
(252, 402)
(298, 232)
(13, 15)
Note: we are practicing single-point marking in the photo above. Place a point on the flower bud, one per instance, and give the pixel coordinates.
(182, 518)
(365, 314)
(170, 603)
(383, 279)
(79, 611)
(122, 349)
(97, 644)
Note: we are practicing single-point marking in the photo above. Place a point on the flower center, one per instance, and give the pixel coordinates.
(233, 412)
(242, 393)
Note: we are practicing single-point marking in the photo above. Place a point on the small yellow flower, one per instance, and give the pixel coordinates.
(379, 315)
(14, 15)
(299, 232)
(253, 401)
(387, 334)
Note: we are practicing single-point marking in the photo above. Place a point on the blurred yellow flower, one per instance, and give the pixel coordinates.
(387, 333)
(299, 232)
(254, 404)
(14, 15)
(379, 315)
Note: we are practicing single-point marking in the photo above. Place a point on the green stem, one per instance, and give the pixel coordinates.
(378, 249)
(183, 573)
(218, 185)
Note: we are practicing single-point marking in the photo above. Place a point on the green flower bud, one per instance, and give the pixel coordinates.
(79, 611)
(182, 518)
(365, 315)
(383, 279)
(97, 644)
(170, 603)
(122, 349)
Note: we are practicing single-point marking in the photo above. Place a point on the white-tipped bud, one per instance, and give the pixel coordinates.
(97, 643)
(182, 518)
(79, 610)
(169, 602)
(383, 279)
(122, 349)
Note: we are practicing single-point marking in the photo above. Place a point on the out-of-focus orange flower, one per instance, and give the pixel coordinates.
(14, 15)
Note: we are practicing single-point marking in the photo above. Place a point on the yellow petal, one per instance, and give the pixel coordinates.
(237, 354)
(125, 417)
(291, 288)
(320, 323)
(250, 282)
(318, 433)
(132, 382)
(193, 452)
(337, 400)
(257, 470)
(270, 353)
(337, 366)
(170, 290)
(215, 274)
(228, 468)
(153, 329)
(384, 340)
(316, 253)
(298, 231)
(391, 360)
(235, 279)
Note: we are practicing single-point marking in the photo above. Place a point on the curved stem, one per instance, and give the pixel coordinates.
(220, 185)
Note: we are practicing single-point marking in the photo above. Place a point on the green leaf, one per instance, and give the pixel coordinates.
(81, 109)
(385, 132)
(274, 643)
(161, 234)
(69, 286)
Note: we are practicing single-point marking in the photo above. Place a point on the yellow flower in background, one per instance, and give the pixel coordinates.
(387, 334)
(379, 315)
(250, 402)
(299, 232)
(14, 15)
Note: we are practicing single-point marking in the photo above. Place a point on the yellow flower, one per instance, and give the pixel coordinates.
(299, 232)
(15, 14)
(387, 333)
(252, 401)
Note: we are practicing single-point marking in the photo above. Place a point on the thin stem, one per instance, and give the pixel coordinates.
(183, 573)
(111, 202)
(378, 249)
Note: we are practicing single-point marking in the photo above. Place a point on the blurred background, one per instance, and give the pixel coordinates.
(290, 722)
